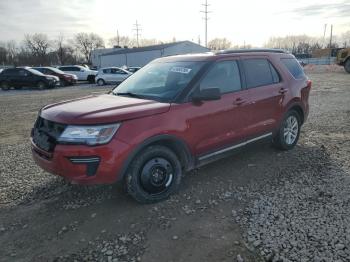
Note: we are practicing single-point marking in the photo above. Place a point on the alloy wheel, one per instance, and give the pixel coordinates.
(290, 131)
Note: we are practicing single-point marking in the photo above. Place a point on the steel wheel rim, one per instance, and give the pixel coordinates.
(100, 82)
(156, 175)
(290, 131)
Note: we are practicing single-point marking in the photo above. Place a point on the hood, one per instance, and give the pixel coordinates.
(54, 77)
(101, 109)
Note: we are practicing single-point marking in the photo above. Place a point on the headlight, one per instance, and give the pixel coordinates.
(90, 135)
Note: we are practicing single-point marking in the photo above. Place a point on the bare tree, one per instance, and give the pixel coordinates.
(38, 44)
(64, 50)
(12, 51)
(344, 39)
(219, 44)
(86, 43)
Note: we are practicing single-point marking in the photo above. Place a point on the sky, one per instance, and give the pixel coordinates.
(249, 21)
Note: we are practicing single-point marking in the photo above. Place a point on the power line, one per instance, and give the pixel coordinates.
(205, 11)
(137, 29)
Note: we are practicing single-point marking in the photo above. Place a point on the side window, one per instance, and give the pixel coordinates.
(224, 75)
(259, 72)
(11, 72)
(23, 72)
(106, 71)
(63, 68)
(293, 67)
(121, 72)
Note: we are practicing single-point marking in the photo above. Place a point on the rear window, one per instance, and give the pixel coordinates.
(259, 72)
(293, 67)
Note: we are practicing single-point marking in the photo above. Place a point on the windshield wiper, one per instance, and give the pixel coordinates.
(128, 94)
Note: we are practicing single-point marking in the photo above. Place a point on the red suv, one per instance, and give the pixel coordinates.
(173, 115)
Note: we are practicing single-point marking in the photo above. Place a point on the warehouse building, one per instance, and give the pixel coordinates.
(143, 55)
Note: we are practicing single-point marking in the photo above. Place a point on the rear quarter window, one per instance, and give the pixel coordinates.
(293, 67)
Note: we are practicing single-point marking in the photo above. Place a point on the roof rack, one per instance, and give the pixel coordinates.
(233, 51)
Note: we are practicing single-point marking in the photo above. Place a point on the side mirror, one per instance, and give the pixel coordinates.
(207, 94)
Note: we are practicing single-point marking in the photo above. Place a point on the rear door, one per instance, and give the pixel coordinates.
(220, 123)
(26, 78)
(266, 92)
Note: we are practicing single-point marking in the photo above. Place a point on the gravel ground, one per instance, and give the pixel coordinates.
(259, 205)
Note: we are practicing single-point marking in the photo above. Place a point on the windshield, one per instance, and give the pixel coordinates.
(35, 72)
(159, 81)
(56, 70)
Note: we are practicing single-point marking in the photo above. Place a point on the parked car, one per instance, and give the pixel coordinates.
(174, 115)
(26, 77)
(133, 69)
(109, 75)
(65, 78)
(83, 73)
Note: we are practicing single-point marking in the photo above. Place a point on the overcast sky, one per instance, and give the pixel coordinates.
(252, 21)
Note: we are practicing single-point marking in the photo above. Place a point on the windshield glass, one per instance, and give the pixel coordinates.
(159, 81)
(56, 70)
(35, 72)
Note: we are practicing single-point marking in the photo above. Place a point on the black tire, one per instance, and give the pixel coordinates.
(282, 141)
(347, 65)
(63, 83)
(41, 85)
(100, 82)
(91, 79)
(153, 175)
(5, 85)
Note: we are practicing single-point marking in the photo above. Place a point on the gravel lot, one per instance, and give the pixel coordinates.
(258, 205)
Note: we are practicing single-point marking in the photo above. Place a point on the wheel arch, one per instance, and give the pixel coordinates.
(299, 109)
(177, 145)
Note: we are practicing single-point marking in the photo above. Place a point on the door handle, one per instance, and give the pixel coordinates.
(283, 90)
(239, 101)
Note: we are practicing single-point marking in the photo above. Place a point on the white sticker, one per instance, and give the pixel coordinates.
(182, 70)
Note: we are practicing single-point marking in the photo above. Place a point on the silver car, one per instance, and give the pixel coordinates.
(111, 75)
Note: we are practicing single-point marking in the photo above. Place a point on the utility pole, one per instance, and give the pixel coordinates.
(206, 21)
(330, 39)
(118, 39)
(137, 29)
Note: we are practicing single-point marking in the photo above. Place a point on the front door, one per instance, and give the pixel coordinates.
(220, 123)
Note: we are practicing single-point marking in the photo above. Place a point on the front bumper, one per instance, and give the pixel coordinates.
(84, 164)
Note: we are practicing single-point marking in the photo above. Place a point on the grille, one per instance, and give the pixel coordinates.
(45, 133)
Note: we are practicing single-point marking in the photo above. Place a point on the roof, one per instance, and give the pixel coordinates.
(146, 48)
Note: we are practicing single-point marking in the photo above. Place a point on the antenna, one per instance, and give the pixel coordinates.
(137, 29)
(206, 20)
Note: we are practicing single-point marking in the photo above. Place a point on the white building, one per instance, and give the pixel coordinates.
(96, 53)
(143, 55)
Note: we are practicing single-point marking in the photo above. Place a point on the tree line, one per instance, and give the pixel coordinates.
(296, 44)
(38, 49)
